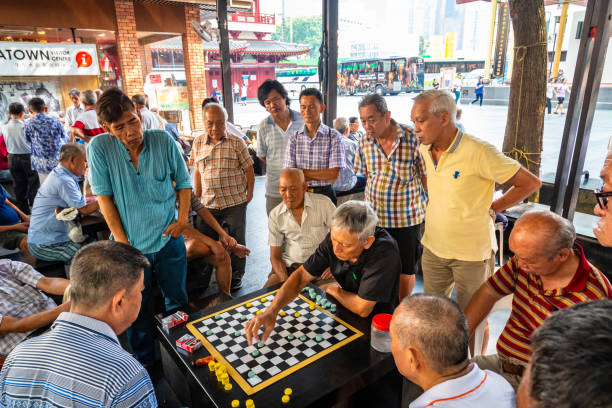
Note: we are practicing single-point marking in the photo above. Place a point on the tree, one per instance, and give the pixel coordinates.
(525, 124)
(423, 46)
(306, 30)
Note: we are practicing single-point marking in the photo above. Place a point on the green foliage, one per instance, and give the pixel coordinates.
(423, 46)
(306, 30)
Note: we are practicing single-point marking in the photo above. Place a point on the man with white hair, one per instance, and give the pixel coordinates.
(429, 343)
(459, 239)
(603, 229)
(347, 179)
(548, 272)
(86, 125)
(223, 179)
(363, 259)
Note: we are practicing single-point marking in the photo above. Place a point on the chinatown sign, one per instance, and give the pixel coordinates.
(42, 59)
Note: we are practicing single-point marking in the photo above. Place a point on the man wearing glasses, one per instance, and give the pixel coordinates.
(603, 229)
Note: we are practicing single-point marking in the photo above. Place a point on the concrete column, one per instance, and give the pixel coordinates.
(193, 55)
(128, 48)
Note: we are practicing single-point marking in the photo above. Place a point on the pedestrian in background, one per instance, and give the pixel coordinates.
(479, 91)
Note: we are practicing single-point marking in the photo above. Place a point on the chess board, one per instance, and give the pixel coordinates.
(283, 353)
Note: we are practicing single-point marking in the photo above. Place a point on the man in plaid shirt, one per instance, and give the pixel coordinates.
(223, 179)
(389, 157)
(316, 148)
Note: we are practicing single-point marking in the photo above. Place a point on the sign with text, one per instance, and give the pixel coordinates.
(43, 59)
(172, 98)
(501, 42)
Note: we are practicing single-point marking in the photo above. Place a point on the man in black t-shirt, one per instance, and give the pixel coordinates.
(363, 259)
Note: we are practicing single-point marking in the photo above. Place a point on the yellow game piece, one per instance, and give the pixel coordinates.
(224, 377)
(249, 305)
(263, 300)
(217, 365)
(312, 306)
(249, 403)
(258, 312)
(288, 391)
(235, 404)
(297, 314)
(285, 399)
(283, 313)
(223, 368)
(211, 366)
(227, 387)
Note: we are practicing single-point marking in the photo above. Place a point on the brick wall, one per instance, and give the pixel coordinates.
(128, 48)
(193, 53)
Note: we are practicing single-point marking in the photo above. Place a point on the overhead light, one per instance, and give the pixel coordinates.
(41, 32)
(101, 34)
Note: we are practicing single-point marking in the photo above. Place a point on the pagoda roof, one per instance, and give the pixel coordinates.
(253, 47)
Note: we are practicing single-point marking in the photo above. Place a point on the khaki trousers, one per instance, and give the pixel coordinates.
(494, 362)
(440, 276)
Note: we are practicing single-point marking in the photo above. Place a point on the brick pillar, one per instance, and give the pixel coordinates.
(128, 48)
(193, 55)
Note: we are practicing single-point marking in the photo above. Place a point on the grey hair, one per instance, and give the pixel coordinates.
(101, 269)
(89, 97)
(558, 232)
(558, 370)
(70, 150)
(341, 124)
(74, 91)
(441, 101)
(374, 99)
(356, 217)
(436, 326)
(214, 105)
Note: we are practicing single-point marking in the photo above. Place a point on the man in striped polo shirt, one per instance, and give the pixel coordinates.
(79, 362)
(548, 272)
(86, 125)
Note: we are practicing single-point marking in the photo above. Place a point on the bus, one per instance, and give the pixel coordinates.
(295, 80)
(433, 67)
(384, 76)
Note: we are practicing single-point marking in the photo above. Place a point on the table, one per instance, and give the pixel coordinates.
(353, 375)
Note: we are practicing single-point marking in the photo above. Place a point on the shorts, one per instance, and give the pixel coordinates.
(11, 239)
(560, 99)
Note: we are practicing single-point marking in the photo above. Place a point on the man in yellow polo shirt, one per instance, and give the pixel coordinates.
(459, 239)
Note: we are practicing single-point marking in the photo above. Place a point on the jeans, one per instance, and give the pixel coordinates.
(457, 95)
(478, 97)
(25, 180)
(169, 265)
(548, 105)
(235, 219)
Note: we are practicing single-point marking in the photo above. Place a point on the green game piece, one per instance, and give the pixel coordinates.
(251, 373)
(218, 317)
(291, 337)
(255, 353)
(318, 337)
(209, 332)
(243, 318)
(237, 334)
(318, 297)
(260, 344)
(302, 338)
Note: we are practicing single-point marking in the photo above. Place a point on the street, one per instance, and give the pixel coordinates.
(486, 122)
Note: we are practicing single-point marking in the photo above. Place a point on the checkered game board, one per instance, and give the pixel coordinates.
(283, 353)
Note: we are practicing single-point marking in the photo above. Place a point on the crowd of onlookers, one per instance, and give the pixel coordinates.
(428, 203)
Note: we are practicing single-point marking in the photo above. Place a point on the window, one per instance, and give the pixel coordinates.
(579, 29)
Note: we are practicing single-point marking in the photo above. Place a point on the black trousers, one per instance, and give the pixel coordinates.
(25, 180)
(409, 243)
(326, 191)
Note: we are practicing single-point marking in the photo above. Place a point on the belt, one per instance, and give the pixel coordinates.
(514, 369)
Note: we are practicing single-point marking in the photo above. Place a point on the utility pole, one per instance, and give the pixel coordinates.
(283, 24)
(224, 56)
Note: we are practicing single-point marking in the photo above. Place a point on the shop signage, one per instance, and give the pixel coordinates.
(42, 59)
(172, 98)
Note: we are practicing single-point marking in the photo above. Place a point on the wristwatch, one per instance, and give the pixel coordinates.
(492, 213)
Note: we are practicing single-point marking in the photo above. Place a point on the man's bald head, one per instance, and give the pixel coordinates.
(544, 230)
(292, 187)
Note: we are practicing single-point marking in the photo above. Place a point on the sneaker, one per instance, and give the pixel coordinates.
(236, 284)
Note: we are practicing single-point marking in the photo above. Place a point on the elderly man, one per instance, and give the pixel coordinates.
(135, 174)
(603, 229)
(47, 237)
(149, 121)
(223, 178)
(86, 125)
(273, 134)
(441, 367)
(23, 306)
(354, 133)
(347, 179)
(389, 158)
(77, 107)
(80, 363)
(229, 126)
(362, 258)
(13, 225)
(316, 148)
(296, 226)
(25, 180)
(548, 272)
(571, 361)
(459, 237)
(46, 135)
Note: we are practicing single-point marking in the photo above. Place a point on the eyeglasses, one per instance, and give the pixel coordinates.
(602, 197)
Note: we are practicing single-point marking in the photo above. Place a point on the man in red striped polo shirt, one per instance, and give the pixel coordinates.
(86, 125)
(548, 272)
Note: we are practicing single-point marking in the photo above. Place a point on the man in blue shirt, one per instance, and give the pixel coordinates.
(25, 180)
(46, 135)
(136, 175)
(347, 179)
(48, 237)
(13, 225)
(80, 363)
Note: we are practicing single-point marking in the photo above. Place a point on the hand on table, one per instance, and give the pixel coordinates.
(332, 289)
(175, 229)
(251, 329)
